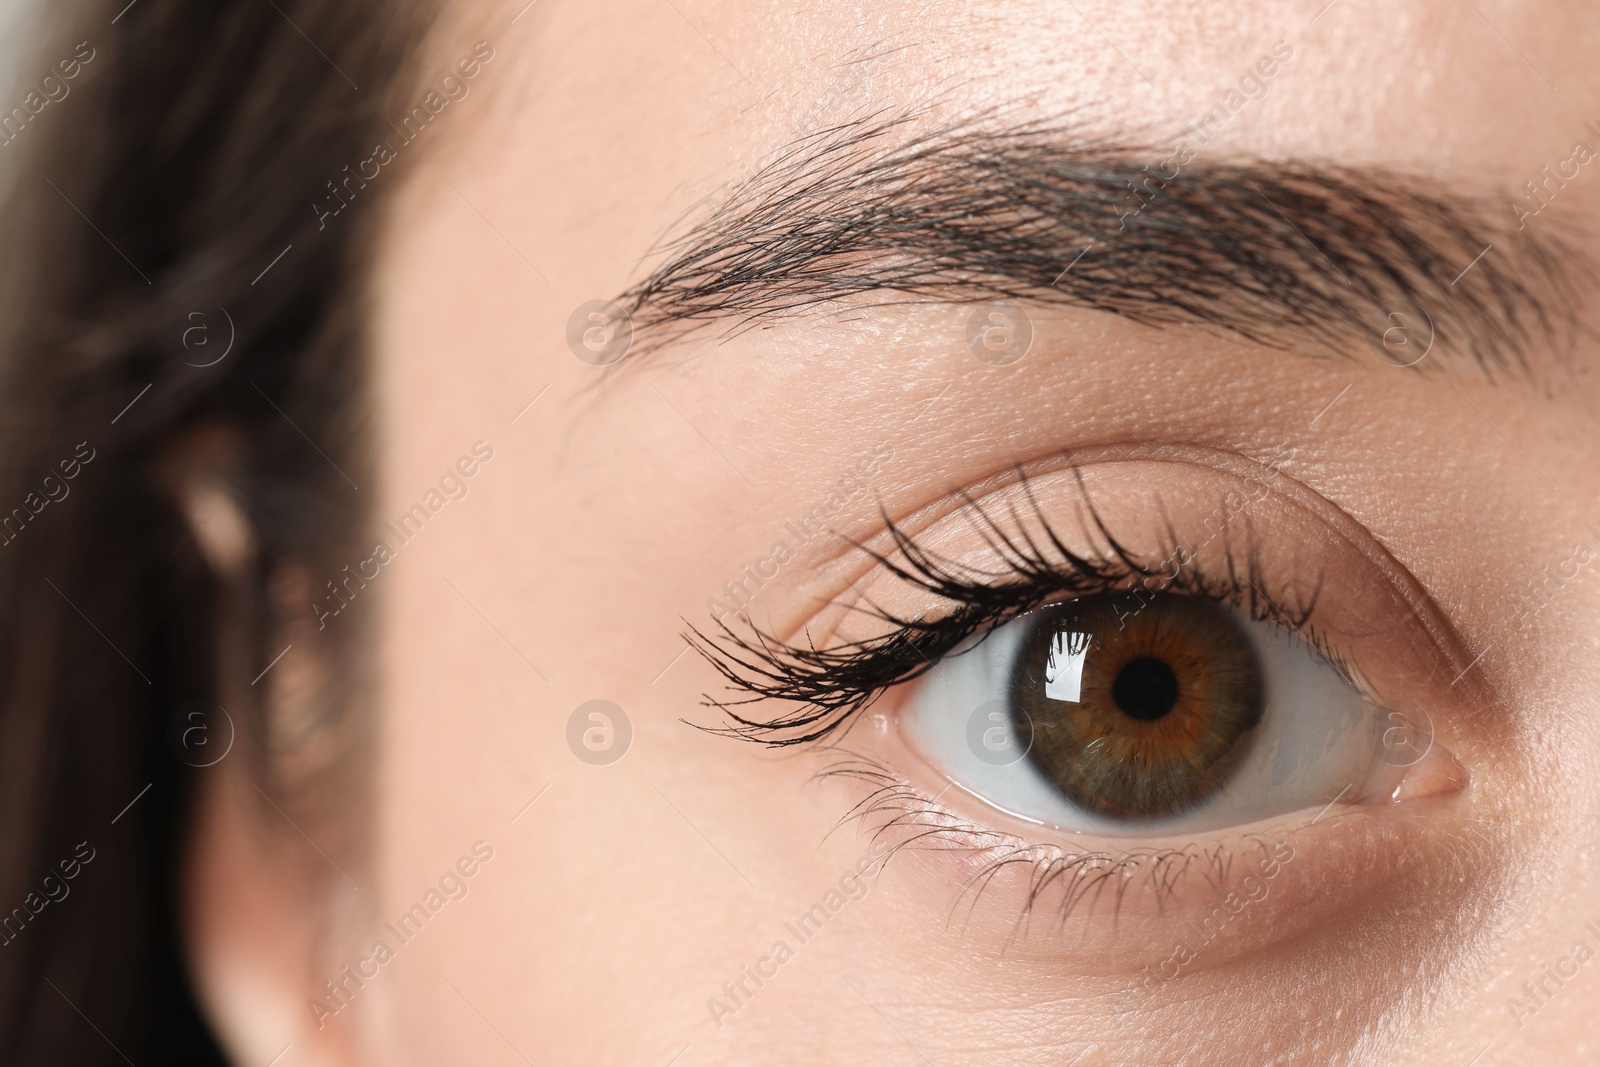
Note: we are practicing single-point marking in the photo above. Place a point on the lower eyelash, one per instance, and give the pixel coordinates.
(895, 810)
(832, 685)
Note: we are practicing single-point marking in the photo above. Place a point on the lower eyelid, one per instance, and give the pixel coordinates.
(1116, 908)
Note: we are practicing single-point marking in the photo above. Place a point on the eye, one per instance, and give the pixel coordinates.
(1099, 701)
(1129, 713)
(1048, 655)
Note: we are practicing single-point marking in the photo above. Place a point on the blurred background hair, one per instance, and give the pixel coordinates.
(185, 158)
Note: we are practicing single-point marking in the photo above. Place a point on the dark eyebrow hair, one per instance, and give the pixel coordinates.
(1290, 255)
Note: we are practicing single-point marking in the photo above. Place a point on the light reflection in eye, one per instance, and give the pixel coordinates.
(1063, 673)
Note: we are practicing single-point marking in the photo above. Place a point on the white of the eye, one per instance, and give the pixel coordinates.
(1312, 741)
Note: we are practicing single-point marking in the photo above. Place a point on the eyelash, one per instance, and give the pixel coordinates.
(893, 806)
(833, 685)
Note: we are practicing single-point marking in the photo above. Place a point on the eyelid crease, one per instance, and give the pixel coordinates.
(835, 683)
(832, 684)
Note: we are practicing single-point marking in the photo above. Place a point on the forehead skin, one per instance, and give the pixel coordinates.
(628, 894)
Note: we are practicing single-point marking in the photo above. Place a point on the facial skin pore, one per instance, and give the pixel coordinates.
(634, 910)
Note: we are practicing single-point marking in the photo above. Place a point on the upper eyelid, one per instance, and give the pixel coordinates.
(815, 677)
(775, 675)
(1266, 465)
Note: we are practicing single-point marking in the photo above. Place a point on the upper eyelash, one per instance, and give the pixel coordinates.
(832, 685)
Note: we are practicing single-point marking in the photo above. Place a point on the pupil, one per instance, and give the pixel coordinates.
(1145, 688)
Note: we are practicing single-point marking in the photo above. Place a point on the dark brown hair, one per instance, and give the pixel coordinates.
(171, 188)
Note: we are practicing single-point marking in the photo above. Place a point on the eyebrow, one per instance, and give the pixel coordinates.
(1291, 255)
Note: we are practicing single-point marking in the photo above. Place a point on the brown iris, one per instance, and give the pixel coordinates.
(1135, 702)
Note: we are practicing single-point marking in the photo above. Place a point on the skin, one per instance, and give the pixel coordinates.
(618, 904)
